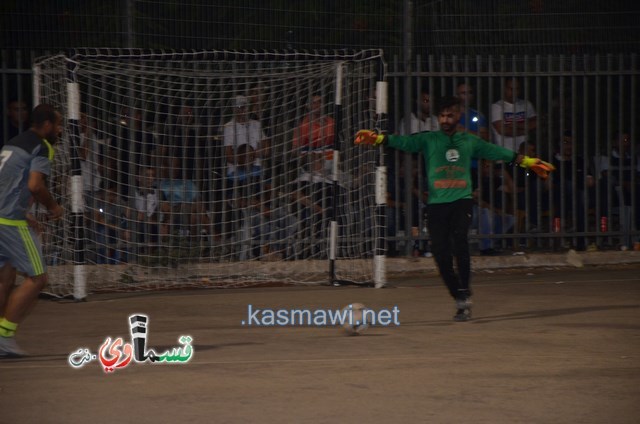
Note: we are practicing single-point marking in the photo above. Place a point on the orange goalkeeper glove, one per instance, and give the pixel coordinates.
(369, 137)
(538, 166)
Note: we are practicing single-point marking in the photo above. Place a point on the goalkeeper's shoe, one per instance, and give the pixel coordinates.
(465, 303)
(10, 349)
(369, 137)
(462, 315)
(463, 309)
(540, 167)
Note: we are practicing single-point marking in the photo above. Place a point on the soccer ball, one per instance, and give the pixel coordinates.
(354, 323)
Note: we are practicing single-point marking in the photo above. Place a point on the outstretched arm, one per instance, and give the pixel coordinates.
(408, 143)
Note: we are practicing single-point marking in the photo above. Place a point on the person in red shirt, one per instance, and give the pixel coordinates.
(316, 131)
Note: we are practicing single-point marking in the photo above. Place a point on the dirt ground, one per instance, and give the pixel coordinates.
(545, 346)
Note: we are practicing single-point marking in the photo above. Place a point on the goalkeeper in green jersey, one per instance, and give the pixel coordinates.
(448, 154)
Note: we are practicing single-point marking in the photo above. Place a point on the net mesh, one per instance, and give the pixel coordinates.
(214, 168)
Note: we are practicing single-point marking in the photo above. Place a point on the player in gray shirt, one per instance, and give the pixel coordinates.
(25, 164)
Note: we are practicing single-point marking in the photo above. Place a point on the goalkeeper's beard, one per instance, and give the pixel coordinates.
(448, 129)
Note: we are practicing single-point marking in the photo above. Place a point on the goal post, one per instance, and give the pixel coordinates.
(214, 169)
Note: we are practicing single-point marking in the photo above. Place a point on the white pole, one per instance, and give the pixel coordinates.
(77, 204)
(36, 85)
(379, 272)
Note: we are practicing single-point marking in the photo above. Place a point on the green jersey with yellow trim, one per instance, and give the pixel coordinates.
(448, 160)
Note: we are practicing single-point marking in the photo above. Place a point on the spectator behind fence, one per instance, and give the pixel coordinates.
(91, 153)
(133, 146)
(107, 226)
(183, 209)
(259, 225)
(147, 217)
(527, 186)
(313, 196)
(317, 130)
(572, 171)
(398, 205)
(258, 108)
(243, 193)
(492, 202)
(17, 120)
(315, 133)
(471, 120)
(511, 117)
(183, 149)
(423, 120)
(247, 182)
(619, 170)
(243, 130)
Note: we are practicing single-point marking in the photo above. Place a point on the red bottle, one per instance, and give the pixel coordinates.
(556, 225)
(603, 224)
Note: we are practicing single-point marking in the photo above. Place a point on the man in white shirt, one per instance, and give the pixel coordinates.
(424, 121)
(147, 209)
(90, 153)
(242, 130)
(512, 118)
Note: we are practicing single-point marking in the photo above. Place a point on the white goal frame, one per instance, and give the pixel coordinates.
(80, 82)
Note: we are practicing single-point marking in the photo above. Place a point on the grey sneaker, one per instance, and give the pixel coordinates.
(464, 303)
(10, 349)
(462, 315)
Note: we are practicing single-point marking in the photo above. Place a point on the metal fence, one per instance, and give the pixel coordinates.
(586, 123)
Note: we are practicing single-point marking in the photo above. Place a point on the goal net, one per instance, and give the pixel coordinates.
(212, 169)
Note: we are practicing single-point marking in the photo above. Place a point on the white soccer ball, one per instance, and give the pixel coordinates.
(355, 322)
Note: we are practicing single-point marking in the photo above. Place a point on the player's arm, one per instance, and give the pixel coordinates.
(485, 150)
(31, 220)
(408, 143)
(38, 188)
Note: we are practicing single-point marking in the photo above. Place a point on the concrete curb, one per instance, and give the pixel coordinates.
(567, 259)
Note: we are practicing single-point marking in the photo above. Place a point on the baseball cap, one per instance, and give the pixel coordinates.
(240, 101)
